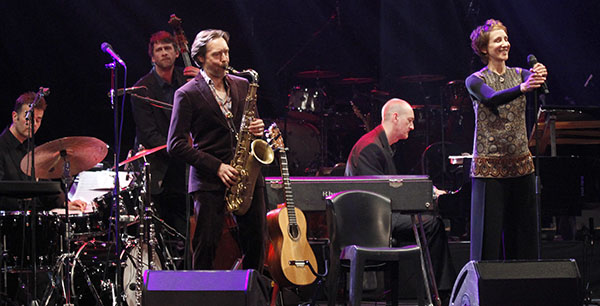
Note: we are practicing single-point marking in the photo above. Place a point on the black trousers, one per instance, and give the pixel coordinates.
(443, 269)
(209, 211)
(503, 218)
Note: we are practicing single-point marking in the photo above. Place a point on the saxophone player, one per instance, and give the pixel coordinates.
(210, 109)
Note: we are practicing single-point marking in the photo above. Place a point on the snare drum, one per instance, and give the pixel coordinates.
(84, 225)
(16, 229)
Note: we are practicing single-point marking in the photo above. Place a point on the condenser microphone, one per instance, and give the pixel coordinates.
(106, 47)
(122, 91)
(531, 61)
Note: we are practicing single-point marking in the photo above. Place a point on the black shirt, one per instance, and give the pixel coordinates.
(12, 152)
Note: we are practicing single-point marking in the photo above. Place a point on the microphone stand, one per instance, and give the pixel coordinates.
(66, 183)
(538, 190)
(31, 148)
(115, 208)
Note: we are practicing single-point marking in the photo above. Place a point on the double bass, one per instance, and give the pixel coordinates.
(182, 42)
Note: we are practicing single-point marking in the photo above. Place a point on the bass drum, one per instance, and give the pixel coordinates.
(93, 273)
(129, 273)
(304, 147)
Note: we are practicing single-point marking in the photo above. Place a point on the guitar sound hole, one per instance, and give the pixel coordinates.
(294, 231)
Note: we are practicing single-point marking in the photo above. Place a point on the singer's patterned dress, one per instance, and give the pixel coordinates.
(503, 215)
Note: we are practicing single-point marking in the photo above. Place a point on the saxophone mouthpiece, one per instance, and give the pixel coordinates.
(231, 70)
(249, 74)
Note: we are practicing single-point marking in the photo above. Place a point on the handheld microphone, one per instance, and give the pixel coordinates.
(106, 47)
(531, 61)
(122, 91)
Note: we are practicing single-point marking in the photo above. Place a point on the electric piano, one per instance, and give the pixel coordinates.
(409, 193)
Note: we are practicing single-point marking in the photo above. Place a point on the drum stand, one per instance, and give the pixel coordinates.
(66, 281)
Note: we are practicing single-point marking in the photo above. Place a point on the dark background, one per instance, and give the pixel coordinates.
(56, 44)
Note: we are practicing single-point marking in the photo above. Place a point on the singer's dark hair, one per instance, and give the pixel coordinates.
(199, 45)
(480, 37)
(162, 37)
(27, 98)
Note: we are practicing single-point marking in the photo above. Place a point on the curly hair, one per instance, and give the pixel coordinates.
(481, 36)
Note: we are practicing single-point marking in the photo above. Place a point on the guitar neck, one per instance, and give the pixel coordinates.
(287, 186)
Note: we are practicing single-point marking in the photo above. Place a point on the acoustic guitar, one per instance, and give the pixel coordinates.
(289, 251)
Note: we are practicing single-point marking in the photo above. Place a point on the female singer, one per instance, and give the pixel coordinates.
(503, 213)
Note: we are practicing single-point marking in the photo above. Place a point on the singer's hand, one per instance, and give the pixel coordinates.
(227, 174)
(534, 81)
(540, 69)
(257, 127)
(191, 71)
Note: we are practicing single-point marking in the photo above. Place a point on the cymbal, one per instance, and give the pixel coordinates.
(317, 74)
(456, 83)
(377, 92)
(141, 154)
(421, 78)
(81, 152)
(355, 81)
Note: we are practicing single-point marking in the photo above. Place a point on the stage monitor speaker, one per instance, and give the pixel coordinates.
(231, 287)
(544, 282)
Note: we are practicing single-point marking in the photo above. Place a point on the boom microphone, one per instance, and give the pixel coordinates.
(122, 91)
(531, 61)
(106, 47)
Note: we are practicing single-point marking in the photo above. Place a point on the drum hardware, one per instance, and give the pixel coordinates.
(24, 190)
(71, 155)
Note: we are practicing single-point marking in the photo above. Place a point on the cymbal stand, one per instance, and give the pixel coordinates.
(149, 216)
(63, 262)
(324, 127)
(66, 181)
(146, 235)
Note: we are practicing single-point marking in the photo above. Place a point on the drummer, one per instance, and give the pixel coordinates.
(14, 143)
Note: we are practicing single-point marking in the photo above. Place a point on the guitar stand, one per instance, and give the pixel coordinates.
(320, 277)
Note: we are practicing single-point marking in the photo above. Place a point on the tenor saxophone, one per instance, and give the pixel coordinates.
(250, 153)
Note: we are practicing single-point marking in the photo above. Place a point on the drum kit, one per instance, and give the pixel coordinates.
(320, 128)
(36, 245)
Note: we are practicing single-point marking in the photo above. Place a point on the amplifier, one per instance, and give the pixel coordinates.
(409, 193)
